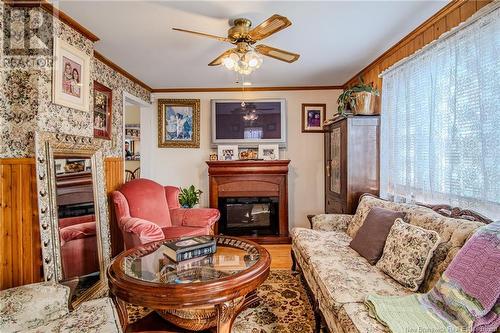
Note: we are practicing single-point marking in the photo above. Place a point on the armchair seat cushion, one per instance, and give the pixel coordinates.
(176, 232)
(194, 217)
(77, 231)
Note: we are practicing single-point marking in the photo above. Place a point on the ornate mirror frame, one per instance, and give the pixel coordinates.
(47, 146)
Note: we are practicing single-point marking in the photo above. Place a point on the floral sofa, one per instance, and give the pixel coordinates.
(340, 279)
(43, 308)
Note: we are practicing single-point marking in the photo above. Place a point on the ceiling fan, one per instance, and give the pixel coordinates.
(245, 57)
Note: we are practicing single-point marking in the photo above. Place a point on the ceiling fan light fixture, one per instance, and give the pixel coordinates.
(243, 63)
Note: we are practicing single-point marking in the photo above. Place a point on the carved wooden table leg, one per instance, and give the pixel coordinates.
(227, 312)
(121, 307)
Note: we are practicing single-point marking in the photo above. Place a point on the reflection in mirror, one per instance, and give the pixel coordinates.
(77, 223)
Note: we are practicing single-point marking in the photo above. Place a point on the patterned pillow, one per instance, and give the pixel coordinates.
(407, 253)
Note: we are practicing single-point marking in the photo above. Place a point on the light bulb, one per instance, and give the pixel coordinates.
(253, 63)
(228, 62)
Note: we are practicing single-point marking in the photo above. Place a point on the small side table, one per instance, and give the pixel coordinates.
(310, 218)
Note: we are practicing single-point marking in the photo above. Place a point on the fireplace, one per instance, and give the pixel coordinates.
(255, 216)
(252, 197)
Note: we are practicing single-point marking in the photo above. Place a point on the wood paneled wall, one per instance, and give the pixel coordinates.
(20, 250)
(447, 18)
(114, 169)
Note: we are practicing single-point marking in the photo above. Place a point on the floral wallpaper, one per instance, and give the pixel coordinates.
(26, 96)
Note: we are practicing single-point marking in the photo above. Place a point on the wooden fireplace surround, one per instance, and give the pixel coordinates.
(252, 179)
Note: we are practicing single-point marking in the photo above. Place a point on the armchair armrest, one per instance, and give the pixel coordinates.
(145, 230)
(331, 222)
(194, 217)
(27, 306)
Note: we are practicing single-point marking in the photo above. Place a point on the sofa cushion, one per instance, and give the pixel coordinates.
(367, 202)
(453, 232)
(342, 275)
(370, 239)
(355, 317)
(407, 253)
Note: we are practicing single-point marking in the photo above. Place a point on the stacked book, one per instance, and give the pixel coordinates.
(189, 248)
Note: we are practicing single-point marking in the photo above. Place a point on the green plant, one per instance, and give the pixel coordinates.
(347, 100)
(188, 197)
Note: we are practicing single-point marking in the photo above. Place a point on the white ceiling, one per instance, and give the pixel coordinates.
(336, 39)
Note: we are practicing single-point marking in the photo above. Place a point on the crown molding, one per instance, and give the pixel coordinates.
(120, 70)
(235, 89)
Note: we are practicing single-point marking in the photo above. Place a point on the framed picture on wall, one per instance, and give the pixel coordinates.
(71, 76)
(179, 123)
(313, 116)
(103, 101)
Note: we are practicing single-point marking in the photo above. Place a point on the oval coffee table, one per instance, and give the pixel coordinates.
(197, 294)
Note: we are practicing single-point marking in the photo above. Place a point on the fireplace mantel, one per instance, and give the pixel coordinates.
(252, 179)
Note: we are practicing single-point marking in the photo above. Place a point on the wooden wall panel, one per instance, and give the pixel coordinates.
(20, 251)
(114, 169)
(447, 18)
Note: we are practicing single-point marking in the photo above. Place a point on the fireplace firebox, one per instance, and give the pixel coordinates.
(255, 216)
(252, 197)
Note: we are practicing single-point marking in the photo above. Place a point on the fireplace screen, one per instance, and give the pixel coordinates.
(249, 216)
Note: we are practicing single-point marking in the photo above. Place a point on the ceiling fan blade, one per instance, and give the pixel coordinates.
(270, 26)
(277, 53)
(217, 61)
(221, 39)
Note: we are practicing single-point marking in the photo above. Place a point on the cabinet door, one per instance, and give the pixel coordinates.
(335, 166)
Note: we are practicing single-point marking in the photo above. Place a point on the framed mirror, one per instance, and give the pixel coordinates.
(73, 210)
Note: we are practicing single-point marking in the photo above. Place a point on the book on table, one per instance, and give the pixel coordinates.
(189, 248)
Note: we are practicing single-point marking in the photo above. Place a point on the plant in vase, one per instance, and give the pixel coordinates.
(360, 99)
(189, 197)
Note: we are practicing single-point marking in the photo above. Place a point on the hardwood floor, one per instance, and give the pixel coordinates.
(280, 256)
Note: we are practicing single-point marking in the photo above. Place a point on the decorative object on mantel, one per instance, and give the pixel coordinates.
(246, 57)
(269, 152)
(189, 197)
(249, 154)
(227, 153)
(213, 157)
(71, 76)
(358, 99)
(313, 116)
(103, 100)
(179, 123)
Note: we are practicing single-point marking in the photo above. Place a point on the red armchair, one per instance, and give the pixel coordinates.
(147, 211)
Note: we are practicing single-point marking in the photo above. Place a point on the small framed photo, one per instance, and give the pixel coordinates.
(313, 116)
(71, 76)
(103, 101)
(269, 152)
(179, 123)
(227, 153)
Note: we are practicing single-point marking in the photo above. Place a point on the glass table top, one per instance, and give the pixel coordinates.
(150, 264)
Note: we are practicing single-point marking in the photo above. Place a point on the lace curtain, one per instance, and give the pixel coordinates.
(440, 135)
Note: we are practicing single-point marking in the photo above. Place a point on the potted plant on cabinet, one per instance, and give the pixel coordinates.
(359, 99)
(189, 197)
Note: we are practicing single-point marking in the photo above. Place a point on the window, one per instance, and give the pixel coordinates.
(440, 138)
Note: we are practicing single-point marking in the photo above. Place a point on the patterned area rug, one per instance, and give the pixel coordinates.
(284, 307)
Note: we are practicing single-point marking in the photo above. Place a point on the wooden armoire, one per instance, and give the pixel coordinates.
(351, 162)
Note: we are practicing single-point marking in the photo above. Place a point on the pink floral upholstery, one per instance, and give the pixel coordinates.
(147, 211)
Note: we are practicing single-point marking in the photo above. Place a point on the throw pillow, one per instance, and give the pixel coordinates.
(407, 253)
(370, 239)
